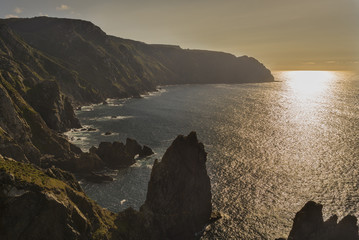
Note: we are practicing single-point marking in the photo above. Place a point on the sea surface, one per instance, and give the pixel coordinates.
(271, 147)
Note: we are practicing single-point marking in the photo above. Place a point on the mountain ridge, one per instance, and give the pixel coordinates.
(118, 67)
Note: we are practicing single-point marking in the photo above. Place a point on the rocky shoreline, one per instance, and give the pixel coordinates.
(49, 202)
(49, 65)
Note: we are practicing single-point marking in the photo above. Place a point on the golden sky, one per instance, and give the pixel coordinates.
(283, 34)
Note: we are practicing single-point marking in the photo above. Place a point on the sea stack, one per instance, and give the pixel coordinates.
(179, 191)
(308, 224)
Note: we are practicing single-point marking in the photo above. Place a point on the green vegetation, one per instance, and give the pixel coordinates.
(29, 177)
(27, 174)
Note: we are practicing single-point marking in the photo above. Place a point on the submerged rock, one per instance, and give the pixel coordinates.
(308, 224)
(179, 191)
(98, 178)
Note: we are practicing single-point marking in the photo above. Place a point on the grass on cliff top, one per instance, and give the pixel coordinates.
(28, 175)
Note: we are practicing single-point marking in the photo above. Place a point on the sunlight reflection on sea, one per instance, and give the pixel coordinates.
(271, 147)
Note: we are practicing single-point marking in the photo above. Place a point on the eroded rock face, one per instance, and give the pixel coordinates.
(54, 108)
(308, 224)
(64, 176)
(179, 191)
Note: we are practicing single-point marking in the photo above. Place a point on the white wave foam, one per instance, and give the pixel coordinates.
(106, 118)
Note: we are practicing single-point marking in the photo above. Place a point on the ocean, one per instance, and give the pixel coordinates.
(271, 147)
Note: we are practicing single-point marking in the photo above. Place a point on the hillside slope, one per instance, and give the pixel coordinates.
(47, 65)
(117, 67)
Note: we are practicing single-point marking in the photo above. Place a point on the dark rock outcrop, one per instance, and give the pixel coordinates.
(118, 155)
(114, 155)
(179, 191)
(133, 147)
(56, 110)
(145, 151)
(308, 224)
(87, 162)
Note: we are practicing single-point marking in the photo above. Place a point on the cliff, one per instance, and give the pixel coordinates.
(49, 204)
(50, 64)
(114, 67)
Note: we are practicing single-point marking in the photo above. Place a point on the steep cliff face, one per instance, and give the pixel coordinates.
(24, 69)
(25, 136)
(201, 66)
(85, 49)
(25, 66)
(120, 68)
(56, 110)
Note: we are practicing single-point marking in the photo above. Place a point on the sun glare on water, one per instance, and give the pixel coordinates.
(309, 83)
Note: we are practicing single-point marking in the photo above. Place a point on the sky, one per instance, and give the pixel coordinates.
(282, 34)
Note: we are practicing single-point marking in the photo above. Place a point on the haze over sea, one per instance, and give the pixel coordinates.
(271, 147)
